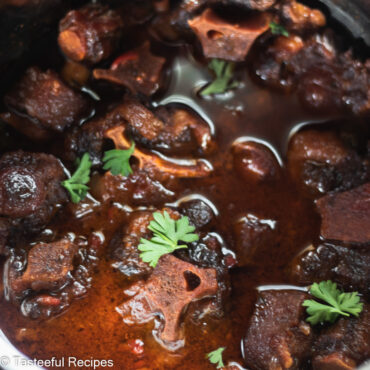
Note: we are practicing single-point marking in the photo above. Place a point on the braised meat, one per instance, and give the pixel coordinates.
(200, 213)
(253, 161)
(325, 79)
(48, 267)
(350, 267)
(139, 70)
(41, 103)
(346, 216)
(30, 191)
(251, 234)
(325, 162)
(173, 285)
(124, 245)
(152, 180)
(299, 17)
(224, 40)
(90, 33)
(46, 279)
(345, 345)
(278, 337)
(167, 129)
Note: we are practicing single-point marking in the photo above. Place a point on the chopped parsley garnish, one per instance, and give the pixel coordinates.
(336, 303)
(278, 29)
(224, 74)
(76, 184)
(118, 161)
(215, 357)
(167, 233)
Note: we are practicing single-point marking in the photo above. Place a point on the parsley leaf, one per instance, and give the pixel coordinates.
(76, 184)
(338, 303)
(118, 161)
(278, 29)
(223, 81)
(215, 357)
(167, 233)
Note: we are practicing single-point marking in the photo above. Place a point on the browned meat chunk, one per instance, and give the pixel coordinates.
(348, 267)
(90, 34)
(345, 345)
(224, 40)
(42, 103)
(172, 130)
(90, 137)
(298, 17)
(173, 285)
(251, 234)
(139, 189)
(173, 26)
(319, 146)
(141, 120)
(30, 190)
(139, 70)
(278, 337)
(325, 79)
(208, 252)
(255, 162)
(324, 162)
(48, 267)
(168, 129)
(124, 245)
(46, 279)
(346, 216)
(269, 69)
(159, 165)
(200, 213)
(154, 176)
(153, 179)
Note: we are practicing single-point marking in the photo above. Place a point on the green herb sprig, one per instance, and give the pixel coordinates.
(215, 357)
(118, 161)
(278, 29)
(76, 184)
(167, 233)
(223, 81)
(336, 303)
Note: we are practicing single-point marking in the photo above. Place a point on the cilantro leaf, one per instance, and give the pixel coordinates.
(224, 73)
(118, 161)
(337, 303)
(215, 357)
(167, 233)
(76, 184)
(278, 29)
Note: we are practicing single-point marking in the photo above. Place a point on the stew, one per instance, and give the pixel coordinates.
(175, 177)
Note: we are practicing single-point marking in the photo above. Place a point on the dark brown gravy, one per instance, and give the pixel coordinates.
(91, 328)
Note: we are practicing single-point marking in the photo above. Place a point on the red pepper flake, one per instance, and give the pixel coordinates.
(130, 55)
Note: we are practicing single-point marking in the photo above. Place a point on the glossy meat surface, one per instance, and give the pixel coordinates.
(90, 34)
(278, 336)
(46, 101)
